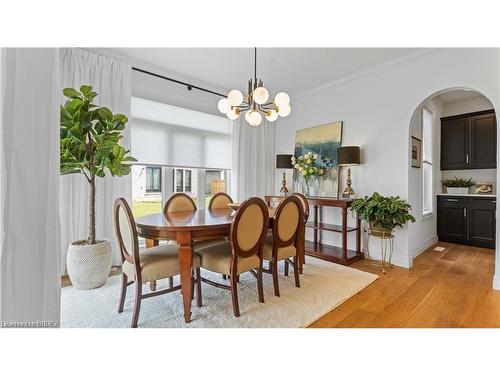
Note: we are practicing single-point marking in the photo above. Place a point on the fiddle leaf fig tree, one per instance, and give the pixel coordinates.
(90, 143)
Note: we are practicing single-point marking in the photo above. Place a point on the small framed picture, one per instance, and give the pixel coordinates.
(484, 188)
(416, 152)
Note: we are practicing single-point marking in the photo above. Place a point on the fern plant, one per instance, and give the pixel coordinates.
(387, 212)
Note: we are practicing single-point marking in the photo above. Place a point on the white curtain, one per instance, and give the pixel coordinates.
(253, 163)
(112, 80)
(29, 164)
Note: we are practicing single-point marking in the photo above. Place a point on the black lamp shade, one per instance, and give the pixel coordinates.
(284, 161)
(348, 155)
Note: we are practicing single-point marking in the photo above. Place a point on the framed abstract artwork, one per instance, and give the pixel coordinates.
(416, 152)
(320, 142)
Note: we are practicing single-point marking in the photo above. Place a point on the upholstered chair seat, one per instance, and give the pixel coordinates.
(157, 263)
(218, 259)
(283, 252)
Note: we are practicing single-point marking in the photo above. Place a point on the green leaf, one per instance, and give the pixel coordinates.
(105, 114)
(85, 89)
(71, 93)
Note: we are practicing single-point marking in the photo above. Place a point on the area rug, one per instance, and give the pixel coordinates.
(324, 286)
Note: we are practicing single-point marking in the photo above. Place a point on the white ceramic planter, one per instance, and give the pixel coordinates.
(89, 265)
(457, 190)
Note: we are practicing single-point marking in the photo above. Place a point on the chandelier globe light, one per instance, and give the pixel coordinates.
(256, 104)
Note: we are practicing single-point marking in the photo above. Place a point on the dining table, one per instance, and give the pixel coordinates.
(186, 227)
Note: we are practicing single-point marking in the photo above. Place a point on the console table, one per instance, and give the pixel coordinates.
(315, 248)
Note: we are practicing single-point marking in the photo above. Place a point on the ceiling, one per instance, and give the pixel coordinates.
(293, 70)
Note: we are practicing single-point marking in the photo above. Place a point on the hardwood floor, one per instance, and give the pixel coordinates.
(443, 289)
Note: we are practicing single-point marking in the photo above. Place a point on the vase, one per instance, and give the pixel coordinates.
(89, 265)
(328, 184)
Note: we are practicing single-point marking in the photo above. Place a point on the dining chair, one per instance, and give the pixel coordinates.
(141, 266)
(283, 243)
(220, 200)
(305, 205)
(243, 252)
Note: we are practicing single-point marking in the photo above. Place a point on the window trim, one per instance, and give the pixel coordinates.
(431, 212)
(153, 191)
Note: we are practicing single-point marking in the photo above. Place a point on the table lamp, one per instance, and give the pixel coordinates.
(284, 161)
(348, 156)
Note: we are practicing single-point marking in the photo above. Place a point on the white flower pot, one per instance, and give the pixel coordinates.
(89, 265)
(457, 190)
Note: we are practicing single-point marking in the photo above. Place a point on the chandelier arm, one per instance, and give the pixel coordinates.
(255, 65)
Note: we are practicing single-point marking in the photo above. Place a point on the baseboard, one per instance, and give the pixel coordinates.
(419, 250)
(496, 281)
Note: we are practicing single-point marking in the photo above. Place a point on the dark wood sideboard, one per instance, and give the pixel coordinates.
(315, 248)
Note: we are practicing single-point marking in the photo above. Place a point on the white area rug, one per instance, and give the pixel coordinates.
(324, 286)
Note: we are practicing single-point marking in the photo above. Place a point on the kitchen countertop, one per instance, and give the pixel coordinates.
(469, 195)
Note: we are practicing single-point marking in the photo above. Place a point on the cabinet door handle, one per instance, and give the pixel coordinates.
(465, 212)
(467, 158)
(452, 200)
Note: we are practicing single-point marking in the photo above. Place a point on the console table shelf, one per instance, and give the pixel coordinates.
(315, 248)
(330, 227)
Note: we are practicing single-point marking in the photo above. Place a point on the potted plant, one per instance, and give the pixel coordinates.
(458, 185)
(89, 145)
(306, 166)
(383, 213)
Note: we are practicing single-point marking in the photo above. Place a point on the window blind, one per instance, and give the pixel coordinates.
(163, 134)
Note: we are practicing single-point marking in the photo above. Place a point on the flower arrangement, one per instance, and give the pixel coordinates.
(307, 166)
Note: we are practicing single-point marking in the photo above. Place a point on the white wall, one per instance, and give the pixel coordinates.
(377, 108)
(423, 233)
(466, 106)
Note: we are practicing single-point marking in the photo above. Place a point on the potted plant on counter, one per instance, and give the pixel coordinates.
(458, 185)
(383, 213)
(89, 145)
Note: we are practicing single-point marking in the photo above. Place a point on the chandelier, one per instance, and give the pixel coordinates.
(256, 103)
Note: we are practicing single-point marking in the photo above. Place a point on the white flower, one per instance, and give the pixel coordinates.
(296, 166)
(309, 161)
(293, 159)
(315, 156)
(304, 172)
(321, 172)
(311, 171)
(306, 156)
(301, 157)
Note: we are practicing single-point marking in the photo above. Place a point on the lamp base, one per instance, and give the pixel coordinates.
(284, 189)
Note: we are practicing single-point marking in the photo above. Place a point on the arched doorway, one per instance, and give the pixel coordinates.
(425, 180)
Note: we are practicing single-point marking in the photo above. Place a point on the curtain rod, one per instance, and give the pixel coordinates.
(188, 85)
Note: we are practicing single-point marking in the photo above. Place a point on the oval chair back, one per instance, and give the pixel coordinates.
(179, 202)
(220, 200)
(305, 205)
(126, 232)
(288, 219)
(249, 229)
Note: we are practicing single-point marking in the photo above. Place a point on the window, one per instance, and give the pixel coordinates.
(179, 177)
(146, 190)
(427, 169)
(153, 179)
(187, 180)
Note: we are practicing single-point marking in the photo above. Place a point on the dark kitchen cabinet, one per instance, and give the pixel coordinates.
(467, 220)
(468, 141)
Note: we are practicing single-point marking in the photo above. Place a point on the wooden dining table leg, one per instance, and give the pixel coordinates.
(185, 268)
(344, 234)
(152, 243)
